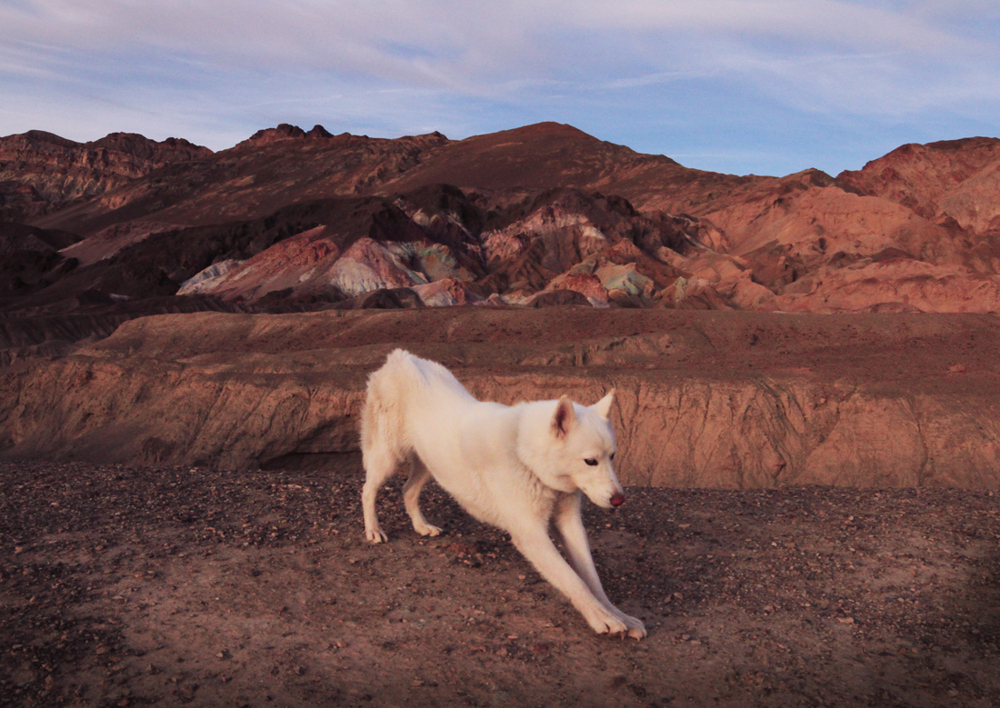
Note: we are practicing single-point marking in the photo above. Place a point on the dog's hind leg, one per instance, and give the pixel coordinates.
(419, 474)
(380, 465)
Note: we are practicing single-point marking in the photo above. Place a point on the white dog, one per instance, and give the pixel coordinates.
(516, 467)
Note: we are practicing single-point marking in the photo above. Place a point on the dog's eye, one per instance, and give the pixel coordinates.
(611, 456)
(591, 461)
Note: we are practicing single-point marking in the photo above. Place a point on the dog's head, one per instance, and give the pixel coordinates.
(581, 446)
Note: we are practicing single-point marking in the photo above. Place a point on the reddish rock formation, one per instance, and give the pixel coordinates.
(284, 131)
(309, 217)
(949, 181)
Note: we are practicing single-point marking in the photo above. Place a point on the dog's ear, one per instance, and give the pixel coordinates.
(564, 418)
(603, 406)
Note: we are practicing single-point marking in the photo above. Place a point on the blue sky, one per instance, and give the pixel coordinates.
(740, 86)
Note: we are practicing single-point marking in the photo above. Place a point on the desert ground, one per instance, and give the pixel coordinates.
(129, 586)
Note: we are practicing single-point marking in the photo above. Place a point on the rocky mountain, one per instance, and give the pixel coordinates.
(41, 172)
(295, 219)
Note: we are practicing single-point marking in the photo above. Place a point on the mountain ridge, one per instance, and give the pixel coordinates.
(296, 218)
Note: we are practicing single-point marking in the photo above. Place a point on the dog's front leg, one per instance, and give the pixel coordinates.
(534, 542)
(569, 523)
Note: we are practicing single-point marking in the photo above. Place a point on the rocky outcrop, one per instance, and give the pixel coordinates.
(92, 315)
(896, 284)
(562, 240)
(703, 399)
(792, 431)
(162, 412)
(284, 131)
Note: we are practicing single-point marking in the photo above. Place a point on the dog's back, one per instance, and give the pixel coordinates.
(403, 383)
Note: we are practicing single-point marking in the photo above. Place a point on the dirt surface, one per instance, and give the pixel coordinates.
(124, 586)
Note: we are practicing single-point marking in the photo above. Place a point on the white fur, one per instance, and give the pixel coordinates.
(517, 467)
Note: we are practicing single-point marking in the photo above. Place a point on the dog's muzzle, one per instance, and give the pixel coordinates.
(618, 499)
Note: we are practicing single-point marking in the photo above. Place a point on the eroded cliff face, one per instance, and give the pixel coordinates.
(703, 399)
(773, 432)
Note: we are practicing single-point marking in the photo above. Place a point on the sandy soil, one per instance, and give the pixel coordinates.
(124, 586)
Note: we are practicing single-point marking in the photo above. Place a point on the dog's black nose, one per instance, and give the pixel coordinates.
(618, 499)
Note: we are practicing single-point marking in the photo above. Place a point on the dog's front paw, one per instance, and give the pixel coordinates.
(603, 622)
(376, 535)
(636, 629)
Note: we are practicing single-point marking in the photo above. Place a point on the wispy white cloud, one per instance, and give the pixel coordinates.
(220, 67)
(447, 41)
